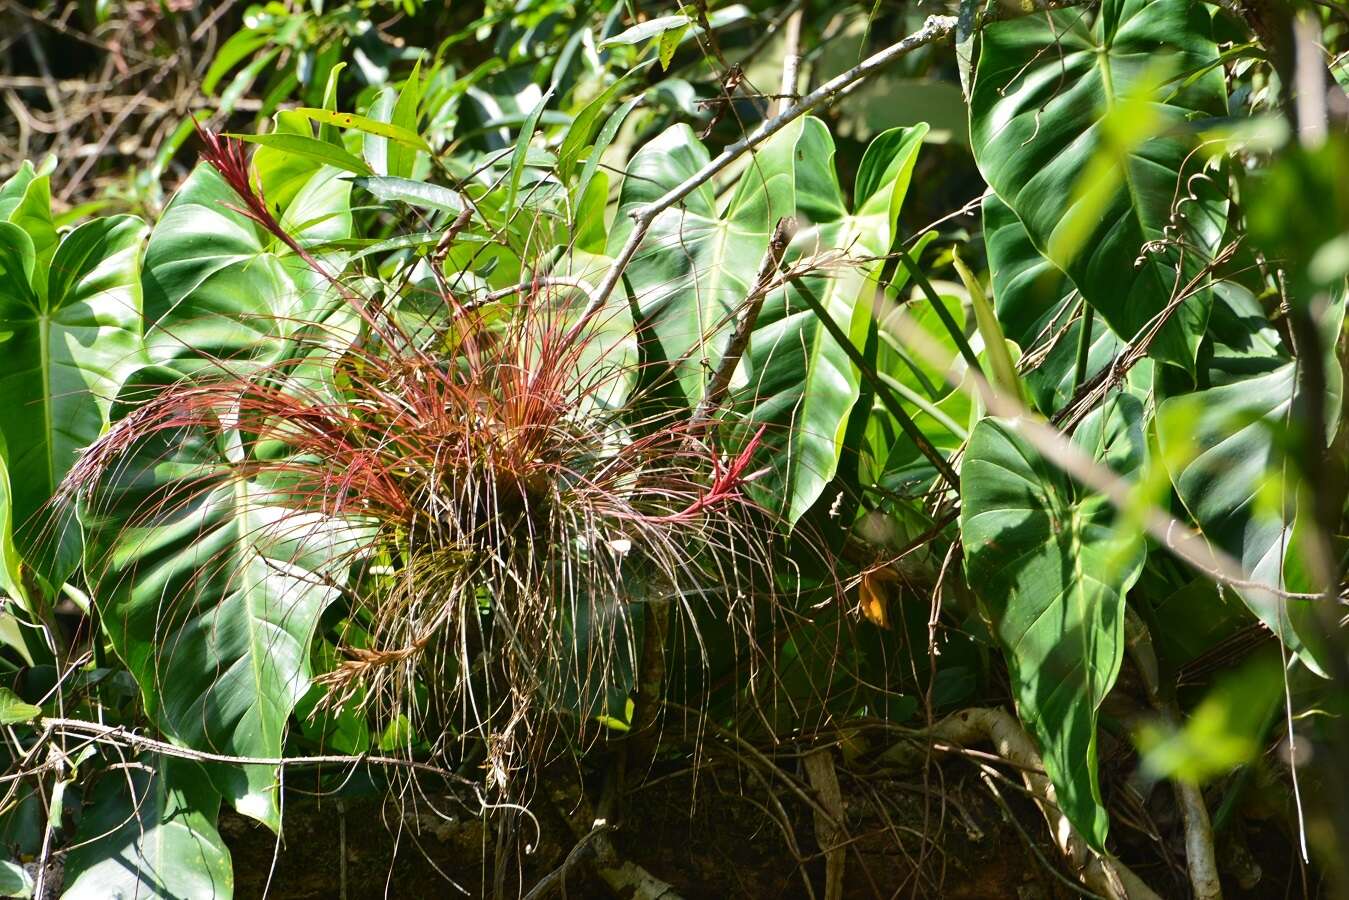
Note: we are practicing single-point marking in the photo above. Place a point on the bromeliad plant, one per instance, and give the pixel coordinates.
(475, 491)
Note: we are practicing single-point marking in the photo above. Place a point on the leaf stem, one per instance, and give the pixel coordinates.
(957, 335)
(1083, 347)
(882, 389)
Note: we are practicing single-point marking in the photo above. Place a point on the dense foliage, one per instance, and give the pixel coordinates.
(522, 405)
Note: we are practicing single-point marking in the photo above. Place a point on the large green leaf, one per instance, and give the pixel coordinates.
(699, 258)
(74, 335)
(218, 289)
(1061, 108)
(1051, 573)
(1224, 448)
(26, 202)
(1034, 301)
(802, 384)
(210, 593)
(151, 834)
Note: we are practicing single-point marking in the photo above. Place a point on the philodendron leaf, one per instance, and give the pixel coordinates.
(75, 337)
(699, 258)
(218, 289)
(1225, 450)
(209, 592)
(1078, 126)
(151, 835)
(801, 383)
(1051, 574)
(1035, 301)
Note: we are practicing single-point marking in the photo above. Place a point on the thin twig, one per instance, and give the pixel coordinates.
(739, 340)
(117, 735)
(934, 30)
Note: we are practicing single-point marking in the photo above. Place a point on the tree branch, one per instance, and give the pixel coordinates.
(934, 30)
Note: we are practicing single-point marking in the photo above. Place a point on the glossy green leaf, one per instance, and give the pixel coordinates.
(152, 835)
(1224, 452)
(1051, 574)
(801, 383)
(75, 335)
(1225, 449)
(421, 194)
(1055, 123)
(219, 290)
(699, 258)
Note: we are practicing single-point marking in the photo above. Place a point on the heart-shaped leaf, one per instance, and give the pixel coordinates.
(699, 257)
(1035, 304)
(75, 337)
(209, 592)
(1073, 125)
(1051, 574)
(218, 289)
(802, 384)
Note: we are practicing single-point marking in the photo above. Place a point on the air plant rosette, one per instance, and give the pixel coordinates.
(483, 506)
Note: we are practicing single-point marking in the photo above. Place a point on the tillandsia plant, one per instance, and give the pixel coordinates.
(478, 494)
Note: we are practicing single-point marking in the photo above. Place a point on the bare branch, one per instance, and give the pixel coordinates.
(935, 30)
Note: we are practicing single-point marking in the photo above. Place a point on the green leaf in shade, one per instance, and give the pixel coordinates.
(209, 592)
(14, 711)
(75, 337)
(219, 290)
(1051, 574)
(152, 835)
(801, 383)
(1034, 302)
(320, 152)
(699, 258)
(1042, 122)
(1223, 449)
(387, 130)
